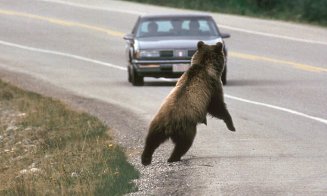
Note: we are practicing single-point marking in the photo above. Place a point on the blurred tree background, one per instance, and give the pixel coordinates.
(310, 11)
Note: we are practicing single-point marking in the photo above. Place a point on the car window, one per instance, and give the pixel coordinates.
(163, 26)
(176, 27)
(202, 27)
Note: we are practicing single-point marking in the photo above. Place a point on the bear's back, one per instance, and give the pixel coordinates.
(190, 98)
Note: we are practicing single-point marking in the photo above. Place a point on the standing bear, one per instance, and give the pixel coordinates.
(198, 92)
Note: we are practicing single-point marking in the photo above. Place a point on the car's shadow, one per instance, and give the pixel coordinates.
(160, 83)
(230, 83)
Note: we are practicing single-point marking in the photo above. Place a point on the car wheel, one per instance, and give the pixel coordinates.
(224, 76)
(136, 80)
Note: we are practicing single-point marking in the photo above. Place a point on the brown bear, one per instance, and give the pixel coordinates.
(198, 92)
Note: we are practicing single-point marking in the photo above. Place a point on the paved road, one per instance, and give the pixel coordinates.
(276, 93)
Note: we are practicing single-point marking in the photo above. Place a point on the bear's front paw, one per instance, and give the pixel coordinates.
(232, 128)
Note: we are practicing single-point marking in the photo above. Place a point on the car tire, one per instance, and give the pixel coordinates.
(136, 80)
(224, 76)
(129, 72)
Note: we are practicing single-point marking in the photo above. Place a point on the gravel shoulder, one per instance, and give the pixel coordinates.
(128, 130)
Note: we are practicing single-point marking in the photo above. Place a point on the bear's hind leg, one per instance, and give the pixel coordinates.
(183, 141)
(153, 141)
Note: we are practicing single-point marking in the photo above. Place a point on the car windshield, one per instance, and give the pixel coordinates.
(157, 27)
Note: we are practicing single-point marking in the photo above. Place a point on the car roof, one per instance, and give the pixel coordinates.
(154, 16)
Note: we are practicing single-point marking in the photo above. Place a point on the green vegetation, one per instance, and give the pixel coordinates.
(310, 11)
(48, 149)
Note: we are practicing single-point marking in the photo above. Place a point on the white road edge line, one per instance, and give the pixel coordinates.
(62, 54)
(321, 120)
(273, 35)
(222, 26)
(324, 121)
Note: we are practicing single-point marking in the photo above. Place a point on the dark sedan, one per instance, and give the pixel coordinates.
(162, 45)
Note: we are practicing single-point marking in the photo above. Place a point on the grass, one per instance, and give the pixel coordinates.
(48, 149)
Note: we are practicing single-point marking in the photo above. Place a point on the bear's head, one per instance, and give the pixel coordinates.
(210, 55)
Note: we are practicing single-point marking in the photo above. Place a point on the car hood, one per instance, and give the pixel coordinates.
(173, 43)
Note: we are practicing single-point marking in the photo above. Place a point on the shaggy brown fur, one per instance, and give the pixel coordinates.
(198, 92)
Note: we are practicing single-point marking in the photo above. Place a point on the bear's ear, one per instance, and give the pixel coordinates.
(200, 44)
(219, 46)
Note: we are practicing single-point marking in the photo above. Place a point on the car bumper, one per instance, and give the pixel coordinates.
(159, 68)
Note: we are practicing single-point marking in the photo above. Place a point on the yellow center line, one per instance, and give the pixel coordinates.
(120, 34)
(62, 22)
(277, 61)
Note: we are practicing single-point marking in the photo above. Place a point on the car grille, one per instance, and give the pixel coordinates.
(166, 53)
(177, 53)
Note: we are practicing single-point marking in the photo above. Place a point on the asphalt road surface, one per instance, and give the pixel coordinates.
(276, 94)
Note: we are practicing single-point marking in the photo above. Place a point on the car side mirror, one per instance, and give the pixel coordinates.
(225, 35)
(129, 37)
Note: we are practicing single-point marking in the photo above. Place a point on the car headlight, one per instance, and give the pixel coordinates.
(148, 53)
